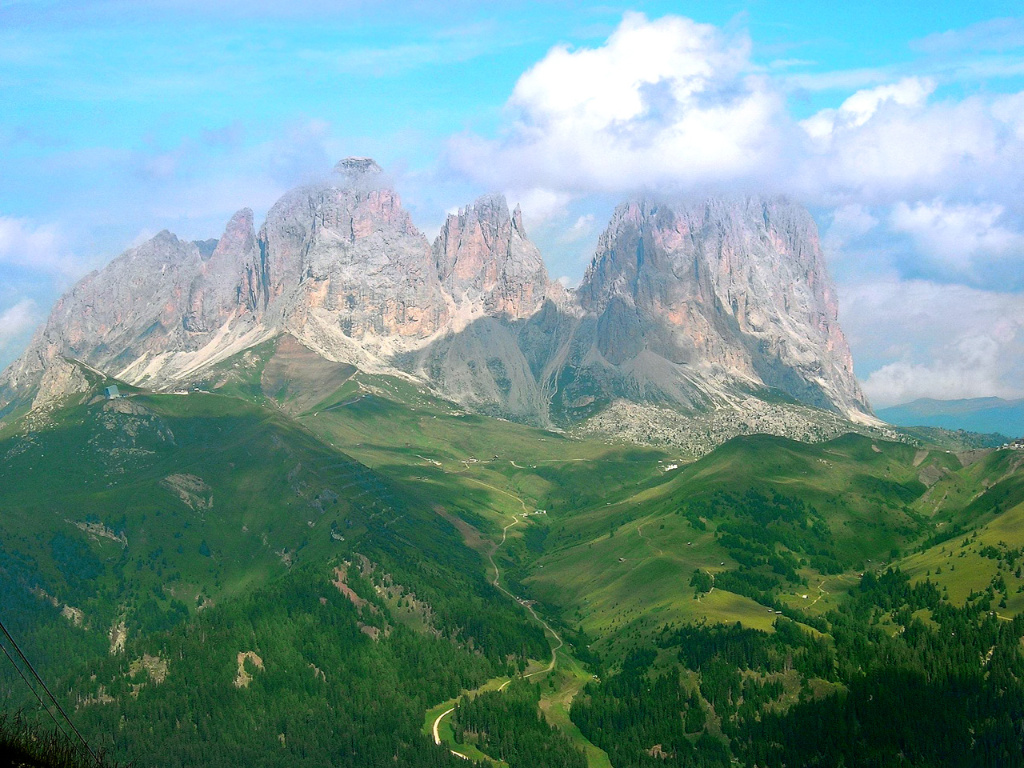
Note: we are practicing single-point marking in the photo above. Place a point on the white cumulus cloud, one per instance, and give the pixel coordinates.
(969, 371)
(17, 319)
(898, 143)
(16, 324)
(36, 247)
(959, 235)
(670, 104)
(667, 102)
(864, 104)
(539, 204)
(849, 221)
(582, 228)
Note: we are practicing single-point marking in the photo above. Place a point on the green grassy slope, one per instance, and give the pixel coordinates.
(769, 520)
(976, 548)
(191, 496)
(186, 529)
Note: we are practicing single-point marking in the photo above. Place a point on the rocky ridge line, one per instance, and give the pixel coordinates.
(691, 305)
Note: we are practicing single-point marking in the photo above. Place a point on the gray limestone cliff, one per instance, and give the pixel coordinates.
(344, 255)
(693, 305)
(691, 302)
(230, 283)
(152, 309)
(497, 285)
(131, 308)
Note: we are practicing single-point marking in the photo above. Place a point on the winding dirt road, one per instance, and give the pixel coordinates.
(437, 724)
(437, 733)
(525, 603)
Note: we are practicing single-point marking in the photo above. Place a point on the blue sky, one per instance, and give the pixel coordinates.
(901, 125)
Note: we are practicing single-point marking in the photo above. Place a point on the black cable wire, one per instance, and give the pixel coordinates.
(34, 691)
(53, 698)
(42, 683)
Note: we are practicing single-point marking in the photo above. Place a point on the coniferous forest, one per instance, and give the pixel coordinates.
(903, 692)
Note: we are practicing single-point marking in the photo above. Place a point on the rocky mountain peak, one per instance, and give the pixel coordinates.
(517, 220)
(230, 284)
(344, 261)
(354, 169)
(165, 236)
(239, 235)
(491, 208)
(737, 286)
(482, 255)
(692, 304)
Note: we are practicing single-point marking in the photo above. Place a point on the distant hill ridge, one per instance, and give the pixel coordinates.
(693, 304)
(979, 414)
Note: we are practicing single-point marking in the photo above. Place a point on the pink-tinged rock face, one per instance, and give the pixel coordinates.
(672, 237)
(349, 250)
(239, 238)
(482, 256)
(380, 207)
(229, 284)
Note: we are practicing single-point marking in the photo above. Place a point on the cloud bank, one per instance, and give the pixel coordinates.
(36, 247)
(16, 325)
(927, 339)
(673, 104)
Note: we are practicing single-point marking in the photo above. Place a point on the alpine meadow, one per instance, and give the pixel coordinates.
(651, 398)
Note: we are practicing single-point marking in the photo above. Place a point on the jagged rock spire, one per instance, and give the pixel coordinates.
(482, 255)
(356, 168)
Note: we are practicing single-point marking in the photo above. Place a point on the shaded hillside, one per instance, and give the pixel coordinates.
(23, 745)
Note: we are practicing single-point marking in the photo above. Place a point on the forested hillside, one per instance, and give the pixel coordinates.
(155, 557)
(379, 578)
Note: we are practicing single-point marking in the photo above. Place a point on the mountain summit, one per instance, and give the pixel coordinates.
(484, 258)
(691, 299)
(693, 305)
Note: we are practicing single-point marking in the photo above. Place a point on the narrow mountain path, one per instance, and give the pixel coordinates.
(709, 573)
(525, 603)
(555, 640)
(526, 510)
(651, 544)
(822, 592)
(337, 406)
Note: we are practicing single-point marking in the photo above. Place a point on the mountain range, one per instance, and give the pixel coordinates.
(693, 305)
